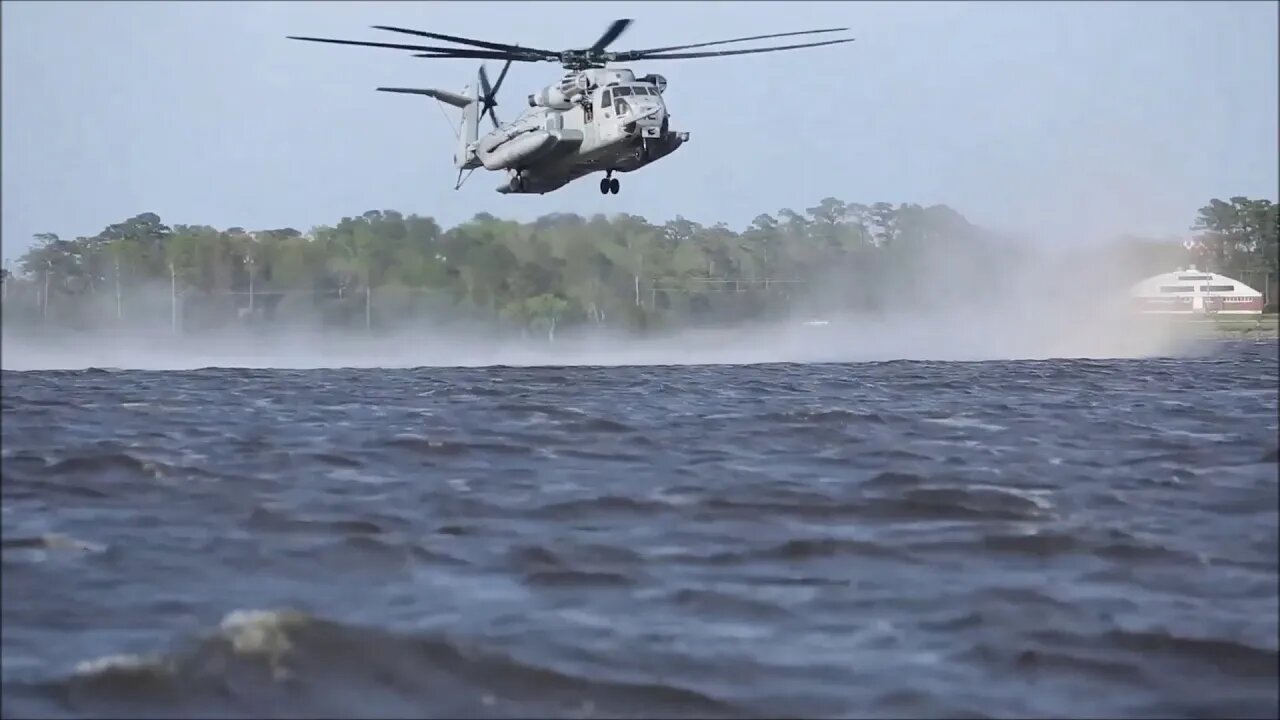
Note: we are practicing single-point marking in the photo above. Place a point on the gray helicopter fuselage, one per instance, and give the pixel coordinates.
(617, 124)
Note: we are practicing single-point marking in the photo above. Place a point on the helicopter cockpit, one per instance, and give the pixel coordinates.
(638, 104)
(611, 93)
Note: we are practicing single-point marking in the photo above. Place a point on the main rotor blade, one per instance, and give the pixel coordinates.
(615, 29)
(504, 47)
(479, 55)
(636, 54)
(719, 53)
(451, 52)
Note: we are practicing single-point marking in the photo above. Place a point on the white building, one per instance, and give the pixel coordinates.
(1192, 291)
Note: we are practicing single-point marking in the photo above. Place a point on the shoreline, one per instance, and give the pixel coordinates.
(1240, 327)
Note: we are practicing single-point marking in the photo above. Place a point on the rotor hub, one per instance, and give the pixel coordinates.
(582, 59)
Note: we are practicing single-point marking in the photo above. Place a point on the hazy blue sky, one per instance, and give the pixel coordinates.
(1069, 121)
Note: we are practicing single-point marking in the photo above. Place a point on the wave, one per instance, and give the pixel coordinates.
(285, 663)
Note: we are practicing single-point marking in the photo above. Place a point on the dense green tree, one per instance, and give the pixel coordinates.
(382, 267)
(1238, 238)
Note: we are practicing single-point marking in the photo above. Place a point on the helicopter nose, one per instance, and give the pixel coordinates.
(650, 121)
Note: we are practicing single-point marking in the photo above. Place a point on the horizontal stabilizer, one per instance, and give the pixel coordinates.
(454, 99)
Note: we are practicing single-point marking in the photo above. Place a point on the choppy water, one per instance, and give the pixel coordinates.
(1051, 538)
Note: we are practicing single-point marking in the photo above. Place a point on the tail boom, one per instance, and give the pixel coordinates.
(464, 156)
(454, 99)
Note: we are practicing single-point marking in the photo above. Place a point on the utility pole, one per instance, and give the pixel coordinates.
(248, 259)
(44, 296)
(119, 312)
(368, 306)
(173, 298)
(637, 276)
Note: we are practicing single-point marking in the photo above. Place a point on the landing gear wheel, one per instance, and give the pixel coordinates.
(605, 184)
(614, 186)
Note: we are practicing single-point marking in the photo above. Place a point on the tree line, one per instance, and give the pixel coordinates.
(384, 267)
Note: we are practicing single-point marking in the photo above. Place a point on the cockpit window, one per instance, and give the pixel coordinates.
(642, 90)
(621, 91)
(606, 99)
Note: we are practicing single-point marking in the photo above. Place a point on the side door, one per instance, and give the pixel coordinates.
(592, 125)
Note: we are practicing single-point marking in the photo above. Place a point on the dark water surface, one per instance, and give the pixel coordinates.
(1000, 539)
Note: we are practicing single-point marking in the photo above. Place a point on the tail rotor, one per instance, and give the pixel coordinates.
(489, 93)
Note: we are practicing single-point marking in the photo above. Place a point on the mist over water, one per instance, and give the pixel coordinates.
(960, 336)
(934, 307)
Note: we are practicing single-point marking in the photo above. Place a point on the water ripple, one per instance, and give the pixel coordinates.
(895, 539)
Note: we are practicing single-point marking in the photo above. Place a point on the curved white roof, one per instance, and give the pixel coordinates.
(1192, 282)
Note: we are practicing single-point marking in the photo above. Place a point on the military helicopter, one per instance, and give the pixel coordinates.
(594, 119)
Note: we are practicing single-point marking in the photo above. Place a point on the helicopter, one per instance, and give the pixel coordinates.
(594, 119)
